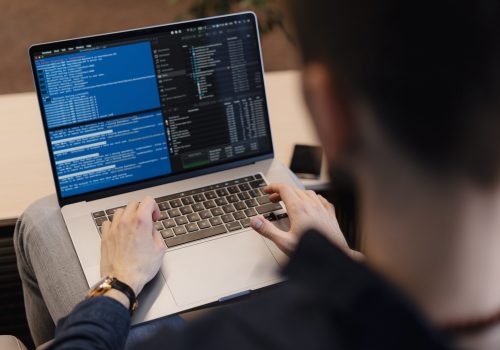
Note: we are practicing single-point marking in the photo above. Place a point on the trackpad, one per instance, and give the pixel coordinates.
(219, 268)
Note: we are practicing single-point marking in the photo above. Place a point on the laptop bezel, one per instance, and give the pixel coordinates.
(164, 179)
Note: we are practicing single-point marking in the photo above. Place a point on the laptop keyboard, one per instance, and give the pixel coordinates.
(209, 211)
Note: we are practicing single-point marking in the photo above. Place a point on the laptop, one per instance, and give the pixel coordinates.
(177, 112)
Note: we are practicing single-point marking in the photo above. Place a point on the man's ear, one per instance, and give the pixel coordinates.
(330, 110)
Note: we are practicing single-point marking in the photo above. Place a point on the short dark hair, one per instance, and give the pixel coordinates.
(430, 71)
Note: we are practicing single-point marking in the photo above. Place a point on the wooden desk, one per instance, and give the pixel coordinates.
(25, 173)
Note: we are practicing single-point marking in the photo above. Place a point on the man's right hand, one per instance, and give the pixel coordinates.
(306, 210)
(132, 249)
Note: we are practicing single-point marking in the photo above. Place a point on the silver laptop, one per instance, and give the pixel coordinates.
(177, 112)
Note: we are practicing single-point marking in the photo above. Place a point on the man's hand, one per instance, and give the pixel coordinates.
(306, 210)
(131, 248)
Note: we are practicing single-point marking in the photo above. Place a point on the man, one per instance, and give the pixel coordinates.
(405, 98)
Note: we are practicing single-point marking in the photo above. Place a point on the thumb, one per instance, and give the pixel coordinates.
(284, 240)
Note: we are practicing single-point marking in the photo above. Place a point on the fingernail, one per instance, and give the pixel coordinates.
(256, 223)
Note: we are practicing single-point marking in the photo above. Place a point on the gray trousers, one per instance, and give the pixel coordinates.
(52, 278)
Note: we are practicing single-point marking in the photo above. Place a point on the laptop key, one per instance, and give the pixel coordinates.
(245, 222)
(175, 203)
(227, 218)
(187, 200)
(163, 215)
(243, 196)
(164, 206)
(112, 211)
(169, 223)
(244, 187)
(181, 220)
(281, 216)
(205, 214)
(174, 213)
(240, 206)
(220, 201)
(229, 208)
(233, 226)
(251, 203)
(191, 227)
(217, 211)
(209, 204)
(250, 212)
(254, 193)
(193, 217)
(198, 207)
(203, 224)
(221, 192)
(179, 230)
(159, 226)
(239, 215)
(210, 195)
(257, 183)
(216, 221)
(209, 232)
(199, 197)
(266, 208)
(167, 233)
(186, 210)
(98, 214)
(100, 221)
(233, 189)
(232, 198)
(270, 216)
(263, 200)
(164, 198)
(110, 217)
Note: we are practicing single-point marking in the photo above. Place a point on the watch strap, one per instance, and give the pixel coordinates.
(129, 293)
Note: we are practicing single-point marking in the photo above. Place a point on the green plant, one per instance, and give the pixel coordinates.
(269, 12)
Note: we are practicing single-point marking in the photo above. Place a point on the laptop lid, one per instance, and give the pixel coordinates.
(134, 109)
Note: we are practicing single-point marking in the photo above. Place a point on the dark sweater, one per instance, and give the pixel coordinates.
(329, 302)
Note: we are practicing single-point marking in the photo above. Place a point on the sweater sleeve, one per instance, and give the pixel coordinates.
(98, 323)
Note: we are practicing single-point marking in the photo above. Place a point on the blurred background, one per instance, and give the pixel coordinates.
(26, 22)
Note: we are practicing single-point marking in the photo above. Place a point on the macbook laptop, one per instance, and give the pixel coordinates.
(177, 112)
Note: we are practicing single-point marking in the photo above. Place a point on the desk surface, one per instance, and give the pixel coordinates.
(26, 174)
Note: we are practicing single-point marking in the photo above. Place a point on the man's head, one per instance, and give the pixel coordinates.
(428, 71)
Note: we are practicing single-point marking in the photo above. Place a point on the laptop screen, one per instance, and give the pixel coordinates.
(127, 107)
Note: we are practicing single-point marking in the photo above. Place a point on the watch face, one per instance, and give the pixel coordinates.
(100, 287)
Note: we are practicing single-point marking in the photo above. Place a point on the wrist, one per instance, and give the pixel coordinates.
(134, 285)
(113, 287)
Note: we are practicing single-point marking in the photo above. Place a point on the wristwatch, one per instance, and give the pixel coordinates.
(109, 282)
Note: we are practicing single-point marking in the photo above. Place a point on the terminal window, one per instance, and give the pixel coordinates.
(103, 113)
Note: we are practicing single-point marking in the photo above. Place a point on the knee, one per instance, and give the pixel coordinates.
(36, 220)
